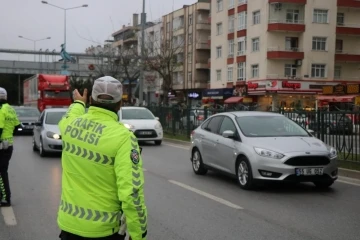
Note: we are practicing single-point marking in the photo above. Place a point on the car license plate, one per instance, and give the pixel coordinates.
(145, 133)
(29, 127)
(309, 171)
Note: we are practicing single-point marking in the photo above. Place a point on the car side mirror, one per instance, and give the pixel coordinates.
(157, 118)
(38, 124)
(229, 134)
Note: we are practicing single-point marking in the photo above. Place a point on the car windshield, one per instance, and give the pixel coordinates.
(53, 118)
(128, 114)
(270, 126)
(27, 112)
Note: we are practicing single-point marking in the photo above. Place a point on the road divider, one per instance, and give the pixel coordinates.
(207, 195)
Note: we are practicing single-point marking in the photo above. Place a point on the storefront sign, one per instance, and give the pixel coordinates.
(286, 84)
(357, 101)
(253, 85)
(328, 90)
(353, 89)
(340, 89)
(193, 95)
(219, 92)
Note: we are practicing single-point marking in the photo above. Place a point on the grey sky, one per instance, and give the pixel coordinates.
(32, 19)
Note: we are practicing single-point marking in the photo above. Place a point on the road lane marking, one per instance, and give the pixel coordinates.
(350, 181)
(212, 197)
(9, 216)
(177, 146)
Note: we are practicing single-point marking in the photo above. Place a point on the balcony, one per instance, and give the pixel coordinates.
(284, 25)
(284, 54)
(348, 29)
(202, 46)
(201, 65)
(242, 6)
(303, 2)
(351, 57)
(209, 63)
(348, 3)
(283, 77)
(201, 85)
(203, 25)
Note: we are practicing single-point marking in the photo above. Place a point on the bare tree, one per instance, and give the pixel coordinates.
(162, 57)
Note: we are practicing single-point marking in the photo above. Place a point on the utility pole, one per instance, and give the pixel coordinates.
(142, 71)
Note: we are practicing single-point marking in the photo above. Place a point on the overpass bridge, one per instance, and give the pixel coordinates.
(49, 64)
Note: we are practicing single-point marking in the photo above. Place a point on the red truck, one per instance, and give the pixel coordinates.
(47, 91)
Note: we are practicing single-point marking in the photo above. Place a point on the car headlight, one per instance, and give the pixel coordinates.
(158, 126)
(268, 153)
(332, 152)
(53, 135)
(129, 126)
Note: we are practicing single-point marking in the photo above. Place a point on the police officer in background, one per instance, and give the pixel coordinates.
(102, 176)
(8, 122)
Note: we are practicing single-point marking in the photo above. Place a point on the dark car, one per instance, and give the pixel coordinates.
(27, 117)
(333, 123)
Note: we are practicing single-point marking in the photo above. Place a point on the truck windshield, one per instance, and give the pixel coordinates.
(56, 94)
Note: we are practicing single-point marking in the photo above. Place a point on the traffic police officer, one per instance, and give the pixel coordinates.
(8, 122)
(102, 174)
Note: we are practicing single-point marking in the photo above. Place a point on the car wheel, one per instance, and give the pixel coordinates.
(158, 142)
(244, 174)
(34, 144)
(197, 163)
(41, 149)
(324, 184)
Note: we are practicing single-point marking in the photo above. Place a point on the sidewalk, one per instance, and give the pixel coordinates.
(342, 171)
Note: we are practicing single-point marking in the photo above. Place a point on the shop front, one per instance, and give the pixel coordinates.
(272, 95)
(339, 97)
(194, 96)
(216, 96)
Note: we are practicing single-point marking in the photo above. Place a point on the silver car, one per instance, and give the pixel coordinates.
(46, 135)
(257, 146)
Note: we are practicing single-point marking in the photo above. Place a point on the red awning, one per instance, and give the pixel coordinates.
(233, 100)
(348, 98)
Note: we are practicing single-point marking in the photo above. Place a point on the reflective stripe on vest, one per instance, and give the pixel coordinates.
(90, 214)
(88, 154)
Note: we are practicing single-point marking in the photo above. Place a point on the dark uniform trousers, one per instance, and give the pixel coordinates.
(5, 156)
(69, 236)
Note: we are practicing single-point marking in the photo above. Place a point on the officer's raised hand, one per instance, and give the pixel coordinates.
(77, 96)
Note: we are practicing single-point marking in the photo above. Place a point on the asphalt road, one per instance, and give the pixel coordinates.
(184, 206)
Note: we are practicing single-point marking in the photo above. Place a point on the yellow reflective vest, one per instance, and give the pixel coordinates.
(102, 175)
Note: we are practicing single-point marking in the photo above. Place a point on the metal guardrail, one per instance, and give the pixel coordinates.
(339, 129)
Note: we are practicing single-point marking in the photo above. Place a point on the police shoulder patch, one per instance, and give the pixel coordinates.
(134, 156)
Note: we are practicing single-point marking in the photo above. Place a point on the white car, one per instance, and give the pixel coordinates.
(143, 123)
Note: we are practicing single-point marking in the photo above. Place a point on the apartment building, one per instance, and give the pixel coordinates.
(283, 52)
(189, 30)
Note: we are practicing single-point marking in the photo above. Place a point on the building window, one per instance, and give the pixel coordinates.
(340, 19)
(189, 76)
(241, 49)
(256, 17)
(218, 75)
(219, 28)
(292, 16)
(255, 44)
(167, 27)
(231, 47)
(218, 52)
(320, 16)
(190, 19)
(219, 5)
(190, 38)
(290, 70)
(339, 45)
(241, 2)
(319, 44)
(189, 57)
(255, 71)
(242, 22)
(230, 74)
(318, 70)
(241, 71)
(231, 4)
(231, 23)
(337, 72)
(292, 44)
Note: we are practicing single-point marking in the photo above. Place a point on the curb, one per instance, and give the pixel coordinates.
(342, 171)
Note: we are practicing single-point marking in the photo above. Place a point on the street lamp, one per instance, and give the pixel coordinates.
(34, 41)
(64, 9)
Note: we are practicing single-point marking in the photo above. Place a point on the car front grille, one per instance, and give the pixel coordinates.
(141, 133)
(308, 161)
